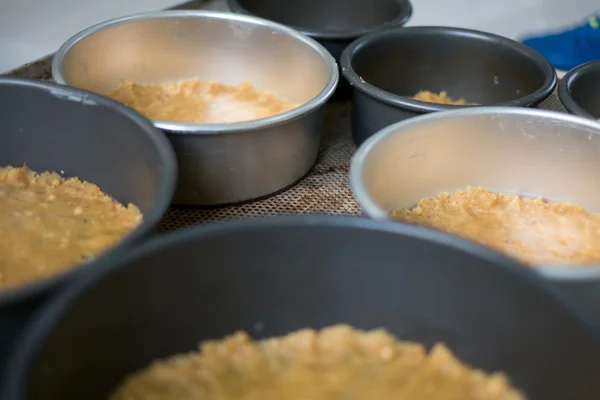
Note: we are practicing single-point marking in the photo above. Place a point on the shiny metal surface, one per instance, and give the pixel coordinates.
(218, 163)
(514, 150)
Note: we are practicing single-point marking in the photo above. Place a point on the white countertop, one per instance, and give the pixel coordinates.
(31, 29)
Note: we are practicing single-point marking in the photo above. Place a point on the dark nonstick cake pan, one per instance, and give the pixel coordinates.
(387, 68)
(577, 90)
(50, 127)
(274, 276)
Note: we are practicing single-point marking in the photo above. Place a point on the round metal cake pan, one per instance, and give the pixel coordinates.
(577, 90)
(511, 150)
(52, 127)
(277, 275)
(387, 68)
(218, 163)
(337, 24)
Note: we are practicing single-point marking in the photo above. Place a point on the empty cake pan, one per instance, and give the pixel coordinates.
(386, 69)
(577, 90)
(50, 127)
(274, 276)
(510, 150)
(334, 23)
(218, 163)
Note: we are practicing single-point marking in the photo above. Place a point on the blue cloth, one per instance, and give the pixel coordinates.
(568, 49)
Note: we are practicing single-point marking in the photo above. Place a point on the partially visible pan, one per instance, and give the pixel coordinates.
(58, 128)
(288, 273)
